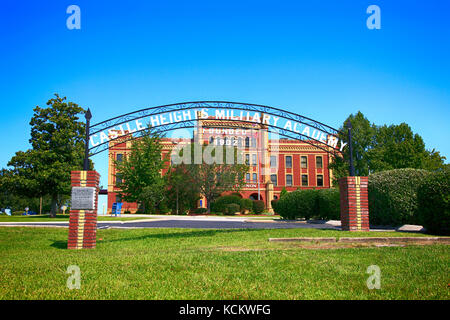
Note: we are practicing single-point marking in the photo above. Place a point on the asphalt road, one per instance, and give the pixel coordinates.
(189, 224)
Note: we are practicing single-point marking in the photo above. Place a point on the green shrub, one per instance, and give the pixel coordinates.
(393, 196)
(17, 213)
(328, 204)
(201, 210)
(434, 203)
(246, 204)
(274, 205)
(221, 202)
(258, 206)
(317, 204)
(283, 192)
(231, 209)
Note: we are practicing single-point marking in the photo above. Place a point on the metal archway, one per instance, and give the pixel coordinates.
(180, 115)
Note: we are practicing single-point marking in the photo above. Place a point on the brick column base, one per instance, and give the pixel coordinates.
(354, 203)
(83, 223)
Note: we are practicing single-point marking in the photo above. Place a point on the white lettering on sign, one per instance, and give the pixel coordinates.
(219, 114)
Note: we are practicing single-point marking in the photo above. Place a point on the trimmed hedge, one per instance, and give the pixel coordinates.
(201, 210)
(258, 206)
(328, 204)
(221, 202)
(434, 203)
(246, 204)
(231, 209)
(393, 196)
(317, 204)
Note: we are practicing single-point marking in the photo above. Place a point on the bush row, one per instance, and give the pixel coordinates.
(231, 204)
(411, 196)
(393, 196)
(309, 204)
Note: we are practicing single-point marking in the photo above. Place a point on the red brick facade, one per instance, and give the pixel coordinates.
(289, 170)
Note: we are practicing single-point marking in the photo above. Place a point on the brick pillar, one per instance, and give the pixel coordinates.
(83, 223)
(354, 203)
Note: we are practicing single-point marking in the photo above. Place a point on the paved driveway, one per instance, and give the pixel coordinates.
(188, 222)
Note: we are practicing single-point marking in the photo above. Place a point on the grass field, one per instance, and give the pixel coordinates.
(62, 217)
(214, 264)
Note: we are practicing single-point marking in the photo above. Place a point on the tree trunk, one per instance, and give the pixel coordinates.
(54, 208)
(208, 205)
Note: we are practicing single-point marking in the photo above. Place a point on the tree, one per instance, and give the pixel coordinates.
(182, 192)
(363, 133)
(396, 147)
(57, 140)
(218, 175)
(141, 172)
(379, 148)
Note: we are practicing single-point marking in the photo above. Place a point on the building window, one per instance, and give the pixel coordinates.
(304, 162)
(253, 142)
(247, 142)
(247, 159)
(273, 161)
(304, 180)
(288, 162)
(254, 177)
(319, 162)
(254, 159)
(118, 198)
(320, 180)
(247, 177)
(273, 178)
(119, 157)
(119, 178)
(289, 180)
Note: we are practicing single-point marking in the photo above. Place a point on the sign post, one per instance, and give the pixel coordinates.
(83, 210)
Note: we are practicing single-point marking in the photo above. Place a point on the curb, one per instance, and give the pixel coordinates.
(369, 240)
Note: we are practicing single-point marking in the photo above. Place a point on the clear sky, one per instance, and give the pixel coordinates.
(315, 58)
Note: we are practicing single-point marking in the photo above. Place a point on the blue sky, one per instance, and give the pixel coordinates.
(315, 58)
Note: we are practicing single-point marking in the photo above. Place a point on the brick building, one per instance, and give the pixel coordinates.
(274, 163)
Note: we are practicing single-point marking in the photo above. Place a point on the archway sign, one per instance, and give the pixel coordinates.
(82, 229)
(184, 115)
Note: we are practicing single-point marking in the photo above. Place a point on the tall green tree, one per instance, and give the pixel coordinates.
(182, 192)
(396, 147)
(379, 148)
(217, 175)
(57, 141)
(363, 134)
(141, 172)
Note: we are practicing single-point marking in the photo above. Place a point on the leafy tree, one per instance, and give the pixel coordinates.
(182, 192)
(283, 192)
(218, 176)
(434, 161)
(379, 148)
(141, 172)
(363, 134)
(396, 147)
(57, 140)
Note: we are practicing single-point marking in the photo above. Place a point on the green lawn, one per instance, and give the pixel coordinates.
(214, 264)
(61, 217)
